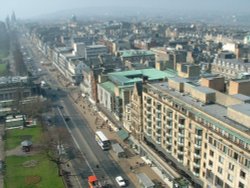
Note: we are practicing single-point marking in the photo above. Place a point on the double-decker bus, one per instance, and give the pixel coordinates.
(102, 140)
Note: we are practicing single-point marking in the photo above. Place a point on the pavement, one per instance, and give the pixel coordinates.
(2, 153)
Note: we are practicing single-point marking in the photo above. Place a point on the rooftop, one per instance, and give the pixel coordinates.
(213, 110)
(14, 79)
(130, 77)
(109, 86)
(132, 53)
(96, 46)
(241, 97)
(242, 108)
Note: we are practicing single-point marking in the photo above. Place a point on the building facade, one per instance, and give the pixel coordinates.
(203, 140)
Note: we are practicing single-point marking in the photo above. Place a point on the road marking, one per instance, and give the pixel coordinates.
(75, 141)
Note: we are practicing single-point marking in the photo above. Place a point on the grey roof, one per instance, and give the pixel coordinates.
(205, 89)
(144, 179)
(241, 97)
(242, 108)
(26, 143)
(117, 148)
(179, 79)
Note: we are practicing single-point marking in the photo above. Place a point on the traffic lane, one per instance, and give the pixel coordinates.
(87, 153)
(111, 168)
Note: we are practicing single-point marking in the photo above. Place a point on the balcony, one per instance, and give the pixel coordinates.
(168, 142)
(181, 135)
(169, 118)
(197, 165)
(181, 126)
(196, 174)
(149, 134)
(180, 152)
(158, 134)
(169, 126)
(180, 143)
(198, 136)
(158, 141)
(197, 146)
(158, 118)
(169, 134)
(158, 110)
(168, 151)
(180, 160)
(197, 156)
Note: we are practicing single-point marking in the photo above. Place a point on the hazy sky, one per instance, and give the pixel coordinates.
(30, 8)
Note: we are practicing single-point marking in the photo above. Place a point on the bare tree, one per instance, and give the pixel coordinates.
(35, 107)
(54, 144)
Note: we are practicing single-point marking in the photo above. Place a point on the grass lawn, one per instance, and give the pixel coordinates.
(16, 174)
(14, 137)
(3, 68)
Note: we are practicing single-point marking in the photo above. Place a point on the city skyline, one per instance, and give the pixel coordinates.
(30, 9)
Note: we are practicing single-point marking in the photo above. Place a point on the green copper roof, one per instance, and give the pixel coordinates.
(130, 77)
(133, 53)
(108, 86)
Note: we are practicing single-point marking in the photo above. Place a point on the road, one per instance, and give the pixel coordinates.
(93, 159)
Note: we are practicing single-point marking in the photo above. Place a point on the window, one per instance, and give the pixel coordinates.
(221, 159)
(210, 163)
(231, 166)
(220, 170)
(230, 177)
(211, 153)
(242, 174)
(241, 185)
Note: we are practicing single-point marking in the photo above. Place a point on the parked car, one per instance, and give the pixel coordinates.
(121, 182)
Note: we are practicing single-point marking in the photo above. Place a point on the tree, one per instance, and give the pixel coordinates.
(40, 107)
(54, 145)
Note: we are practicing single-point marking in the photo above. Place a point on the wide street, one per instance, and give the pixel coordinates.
(91, 159)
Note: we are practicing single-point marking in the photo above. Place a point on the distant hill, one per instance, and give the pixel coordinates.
(139, 13)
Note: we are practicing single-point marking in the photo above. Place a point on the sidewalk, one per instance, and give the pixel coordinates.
(98, 123)
(2, 156)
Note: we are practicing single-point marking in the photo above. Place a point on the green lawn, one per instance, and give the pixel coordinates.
(14, 137)
(3, 68)
(15, 172)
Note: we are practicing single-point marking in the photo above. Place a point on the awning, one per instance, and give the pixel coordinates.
(123, 134)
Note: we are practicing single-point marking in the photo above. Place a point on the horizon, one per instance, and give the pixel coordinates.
(31, 9)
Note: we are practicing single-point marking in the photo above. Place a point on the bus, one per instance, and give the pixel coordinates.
(102, 140)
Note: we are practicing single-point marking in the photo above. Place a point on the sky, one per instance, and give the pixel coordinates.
(26, 9)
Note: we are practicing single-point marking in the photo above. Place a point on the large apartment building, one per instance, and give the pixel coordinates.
(188, 125)
(226, 65)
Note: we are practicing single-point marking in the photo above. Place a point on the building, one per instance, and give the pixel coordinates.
(17, 88)
(203, 133)
(122, 84)
(214, 82)
(95, 69)
(187, 70)
(226, 65)
(143, 56)
(69, 62)
(93, 51)
(239, 87)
